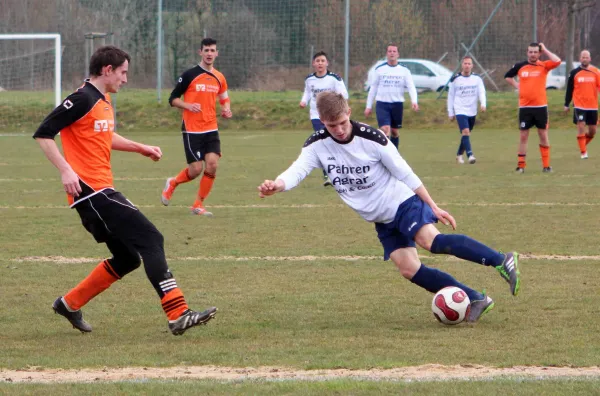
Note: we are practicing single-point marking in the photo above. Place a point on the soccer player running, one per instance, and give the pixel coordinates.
(464, 90)
(533, 104)
(372, 178)
(582, 89)
(387, 88)
(200, 86)
(85, 121)
(320, 81)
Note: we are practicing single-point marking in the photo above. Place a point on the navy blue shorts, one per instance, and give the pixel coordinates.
(389, 114)
(317, 124)
(411, 216)
(465, 122)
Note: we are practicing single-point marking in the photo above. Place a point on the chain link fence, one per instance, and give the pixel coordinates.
(266, 45)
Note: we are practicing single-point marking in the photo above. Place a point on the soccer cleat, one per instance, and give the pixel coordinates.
(75, 317)
(459, 159)
(200, 211)
(190, 319)
(509, 270)
(472, 159)
(326, 182)
(479, 308)
(520, 170)
(167, 192)
(584, 155)
(547, 169)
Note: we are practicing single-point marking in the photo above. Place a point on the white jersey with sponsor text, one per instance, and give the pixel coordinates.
(463, 93)
(389, 83)
(367, 172)
(314, 85)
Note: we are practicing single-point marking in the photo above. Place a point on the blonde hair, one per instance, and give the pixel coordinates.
(331, 106)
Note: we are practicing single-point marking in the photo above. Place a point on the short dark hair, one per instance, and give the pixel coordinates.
(467, 57)
(207, 41)
(535, 45)
(320, 53)
(107, 56)
(392, 45)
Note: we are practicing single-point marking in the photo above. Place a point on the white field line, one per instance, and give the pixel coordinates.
(429, 373)
(311, 206)
(78, 260)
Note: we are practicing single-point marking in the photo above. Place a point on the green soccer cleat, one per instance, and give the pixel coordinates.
(479, 308)
(509, 270)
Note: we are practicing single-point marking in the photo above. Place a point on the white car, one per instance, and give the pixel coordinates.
(427, 75)
(557, 78)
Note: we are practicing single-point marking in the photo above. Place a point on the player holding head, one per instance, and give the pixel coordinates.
(387, 88)
(464, 90)
(533, 105)
(582, 89)
(372, 178)
(320, 81)
(200, 87)
(85, 120)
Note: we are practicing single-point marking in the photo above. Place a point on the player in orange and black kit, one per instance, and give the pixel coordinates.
(85, 121)
(200, 87)
(582, 89)
(533, 104)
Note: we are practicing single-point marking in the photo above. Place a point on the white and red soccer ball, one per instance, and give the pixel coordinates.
(451, 305)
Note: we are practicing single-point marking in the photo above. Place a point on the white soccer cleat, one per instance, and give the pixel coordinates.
(472, 159)
(459, 159)
(584, 155)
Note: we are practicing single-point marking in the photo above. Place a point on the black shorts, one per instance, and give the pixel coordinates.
(530, 117)
(196, 145)
(108, 215)
(590, 117)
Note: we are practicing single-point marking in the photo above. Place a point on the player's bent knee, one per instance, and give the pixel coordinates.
(195, 168)
(407, 261)
(466, 132)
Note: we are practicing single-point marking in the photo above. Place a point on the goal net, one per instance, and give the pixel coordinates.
(30, 80)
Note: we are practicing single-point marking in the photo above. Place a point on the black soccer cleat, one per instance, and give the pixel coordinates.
(190, 319)
(75, 317)
(547, 169)
(520, 170)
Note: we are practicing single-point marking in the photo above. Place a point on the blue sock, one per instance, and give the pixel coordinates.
(433, 280)
(466, 248)
(395, 140)
(461, 149)
(465, 141)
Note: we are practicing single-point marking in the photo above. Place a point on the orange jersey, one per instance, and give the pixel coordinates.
(85, 121)
(582, 88)
(201, 86)
(532, 81)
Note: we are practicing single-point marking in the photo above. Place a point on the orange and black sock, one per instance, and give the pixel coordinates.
(206, 184)
(182, 177)
(174, 304)
(582, 141)
(522, 163)
(545, 152)
(95, 283)
(588, 138)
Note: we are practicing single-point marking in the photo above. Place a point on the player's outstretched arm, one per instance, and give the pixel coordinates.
(270, 187)
(119, 143)
(443, 216)
(69, 178)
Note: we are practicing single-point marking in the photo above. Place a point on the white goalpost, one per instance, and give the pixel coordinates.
(57, 56)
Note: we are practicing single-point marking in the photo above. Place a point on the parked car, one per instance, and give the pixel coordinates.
(557, 78)
(427, 75)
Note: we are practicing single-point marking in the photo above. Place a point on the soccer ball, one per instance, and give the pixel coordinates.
(451, 305)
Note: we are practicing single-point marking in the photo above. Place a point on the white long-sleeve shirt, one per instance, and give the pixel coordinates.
(463, 93)
(389, 83)
(314, 85)
(367, 172)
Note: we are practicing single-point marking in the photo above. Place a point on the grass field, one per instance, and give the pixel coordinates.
(276, 270)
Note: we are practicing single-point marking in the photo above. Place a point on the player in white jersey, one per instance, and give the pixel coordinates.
(387, 88)
(465, 90)
(373, 179)
(320, 81)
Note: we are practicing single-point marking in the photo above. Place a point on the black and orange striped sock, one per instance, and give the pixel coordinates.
(588, 138)
(545, 153)
(522, 163)
(582, 141)
(95, 283)
(174, 304)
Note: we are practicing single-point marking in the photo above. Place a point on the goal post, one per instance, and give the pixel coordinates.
(57, 56)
